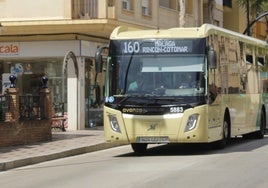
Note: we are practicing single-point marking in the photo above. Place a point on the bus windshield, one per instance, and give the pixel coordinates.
(157, 75)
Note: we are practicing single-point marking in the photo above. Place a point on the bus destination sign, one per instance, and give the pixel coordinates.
(157, 47)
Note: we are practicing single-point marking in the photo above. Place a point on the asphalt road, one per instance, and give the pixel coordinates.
(244, 163)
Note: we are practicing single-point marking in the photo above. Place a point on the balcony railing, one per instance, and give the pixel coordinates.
(30, 107)
(85, 9)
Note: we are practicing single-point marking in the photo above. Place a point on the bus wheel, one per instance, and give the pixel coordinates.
(260, 134)
(225, 136)
(139, 147)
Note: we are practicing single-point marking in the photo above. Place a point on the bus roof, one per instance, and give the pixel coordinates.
(126, 33)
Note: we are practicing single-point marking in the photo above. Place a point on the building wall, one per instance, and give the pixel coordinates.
(14, 10)
(158, 15)
(260, 30)
(33, 10)
(216, 16)
(235, 18)
(135, 14)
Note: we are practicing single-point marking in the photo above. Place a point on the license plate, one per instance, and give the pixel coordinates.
(149, 139)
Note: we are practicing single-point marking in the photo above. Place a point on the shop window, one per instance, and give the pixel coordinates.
(28, 74)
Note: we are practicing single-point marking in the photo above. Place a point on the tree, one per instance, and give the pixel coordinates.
(253, 8)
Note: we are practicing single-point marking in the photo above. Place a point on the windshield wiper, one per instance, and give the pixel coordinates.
(126, 75)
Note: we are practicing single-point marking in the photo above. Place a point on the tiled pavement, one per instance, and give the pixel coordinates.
(63, 144)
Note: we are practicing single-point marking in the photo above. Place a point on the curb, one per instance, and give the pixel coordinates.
(4, 166)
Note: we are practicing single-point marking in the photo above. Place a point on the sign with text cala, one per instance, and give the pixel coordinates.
(9, 49)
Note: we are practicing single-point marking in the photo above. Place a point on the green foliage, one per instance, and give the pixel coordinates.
(256, 7)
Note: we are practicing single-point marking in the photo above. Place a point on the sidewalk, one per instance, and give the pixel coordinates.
(63, 144)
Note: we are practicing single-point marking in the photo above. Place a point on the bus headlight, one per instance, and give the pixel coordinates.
(191, 122)
(114, 123)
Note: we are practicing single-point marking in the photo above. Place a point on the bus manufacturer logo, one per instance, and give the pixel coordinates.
(132, 110)
(152, 127)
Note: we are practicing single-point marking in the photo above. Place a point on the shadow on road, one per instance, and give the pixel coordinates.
(236, 145)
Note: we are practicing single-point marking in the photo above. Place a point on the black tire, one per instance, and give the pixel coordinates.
(139, 147)
(226, 136)
(260, 134)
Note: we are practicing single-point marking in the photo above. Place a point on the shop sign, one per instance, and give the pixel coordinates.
(9, 49)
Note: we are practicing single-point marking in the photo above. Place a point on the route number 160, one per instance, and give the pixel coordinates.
(130, 47)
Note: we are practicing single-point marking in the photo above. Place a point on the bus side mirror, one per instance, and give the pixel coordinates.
(99, 56)
(212, 58)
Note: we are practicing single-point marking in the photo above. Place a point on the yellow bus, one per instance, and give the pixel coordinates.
(184, 85)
